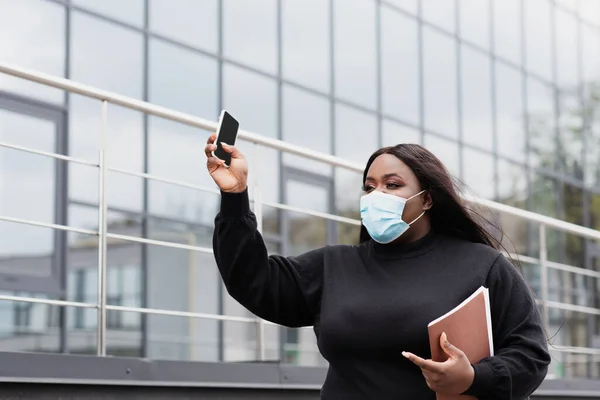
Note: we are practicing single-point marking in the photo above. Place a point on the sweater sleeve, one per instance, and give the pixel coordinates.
(521, 357)
(283, 290)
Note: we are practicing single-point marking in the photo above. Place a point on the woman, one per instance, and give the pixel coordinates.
(421, 254)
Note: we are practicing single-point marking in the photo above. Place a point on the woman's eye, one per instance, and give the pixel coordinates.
(392, 186)
(367, 188)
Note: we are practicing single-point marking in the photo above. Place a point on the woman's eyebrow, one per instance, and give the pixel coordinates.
(386, 176)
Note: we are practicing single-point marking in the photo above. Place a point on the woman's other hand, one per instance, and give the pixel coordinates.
(453, 376)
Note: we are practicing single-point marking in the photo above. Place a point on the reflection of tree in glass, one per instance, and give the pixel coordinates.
(566, 156)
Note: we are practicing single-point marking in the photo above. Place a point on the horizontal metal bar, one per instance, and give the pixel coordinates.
(49, 154)
(171, 313)
(159, 243)
(573, 307)
(312, 213)
(165, 180)
(48, 225)
(539, 218)
(556, 265)
(572, 269)
(50, 302)
(575, 349)
(187, 314)
(522, 258)
(163, 112)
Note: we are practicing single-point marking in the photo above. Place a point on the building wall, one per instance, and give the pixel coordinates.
(505, 92)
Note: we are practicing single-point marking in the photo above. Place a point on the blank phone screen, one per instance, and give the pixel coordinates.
(227, 134)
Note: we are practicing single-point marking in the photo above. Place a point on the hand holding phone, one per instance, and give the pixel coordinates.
(226, 164)
(226, 133)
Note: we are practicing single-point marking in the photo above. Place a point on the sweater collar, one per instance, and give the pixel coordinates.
(404, 250)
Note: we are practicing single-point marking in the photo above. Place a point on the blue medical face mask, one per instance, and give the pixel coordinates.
(381, 215)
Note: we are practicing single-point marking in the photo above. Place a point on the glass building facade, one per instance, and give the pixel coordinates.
(505, 92)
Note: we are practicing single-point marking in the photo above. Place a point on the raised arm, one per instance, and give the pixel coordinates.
(521, 355)
(285, 291)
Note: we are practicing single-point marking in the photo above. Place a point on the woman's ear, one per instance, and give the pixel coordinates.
(427, 201)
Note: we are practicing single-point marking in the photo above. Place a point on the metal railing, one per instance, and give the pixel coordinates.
(102, 307)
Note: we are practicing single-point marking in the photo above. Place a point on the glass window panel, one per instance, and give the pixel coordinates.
(301, 44)
(27, 183)
(408, 5)
(511, 138)
(351, 127)
(106, 55)
(440, 13)
(507, 29)
(570, 5)
(446, 151)
(570, 142)
(167, 138)
(188, 21)
(250, 33)
(566, 51)
(313, 133)
(512, 191)
(194, 279)
(595, 213)
(478, 169)
(193, 276)
(194, 339)
(544, 194)
(538, 37)
(541, 120)
(130, 11)
(440, 83)
(124, 137)
(400, 66)
(591, 57)
(475, 22)
(590, 11)
(38, 27)
(252, 99)
(572, 246)
(175, 82)
(182, 80)
(355, 51)
(476, 99)
(592, 173)
(24, 326)
(394, 133)
(306, 232)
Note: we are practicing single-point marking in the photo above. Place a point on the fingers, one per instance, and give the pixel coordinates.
(211, 139)
(426, 365)
(449, 348)
(235, 153)
(208, 149)
(210, 146)
(213, 163)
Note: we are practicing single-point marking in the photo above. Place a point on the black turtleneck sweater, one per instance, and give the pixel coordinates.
(370, 302)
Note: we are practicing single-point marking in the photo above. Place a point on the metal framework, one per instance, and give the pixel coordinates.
(105, 98)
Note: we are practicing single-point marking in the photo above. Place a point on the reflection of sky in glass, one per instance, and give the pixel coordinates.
(27, 183)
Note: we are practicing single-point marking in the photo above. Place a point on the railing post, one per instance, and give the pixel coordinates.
(102, 228)
(544, 276)
(260, 324)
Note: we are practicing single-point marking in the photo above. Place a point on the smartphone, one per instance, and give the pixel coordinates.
(226, 133)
